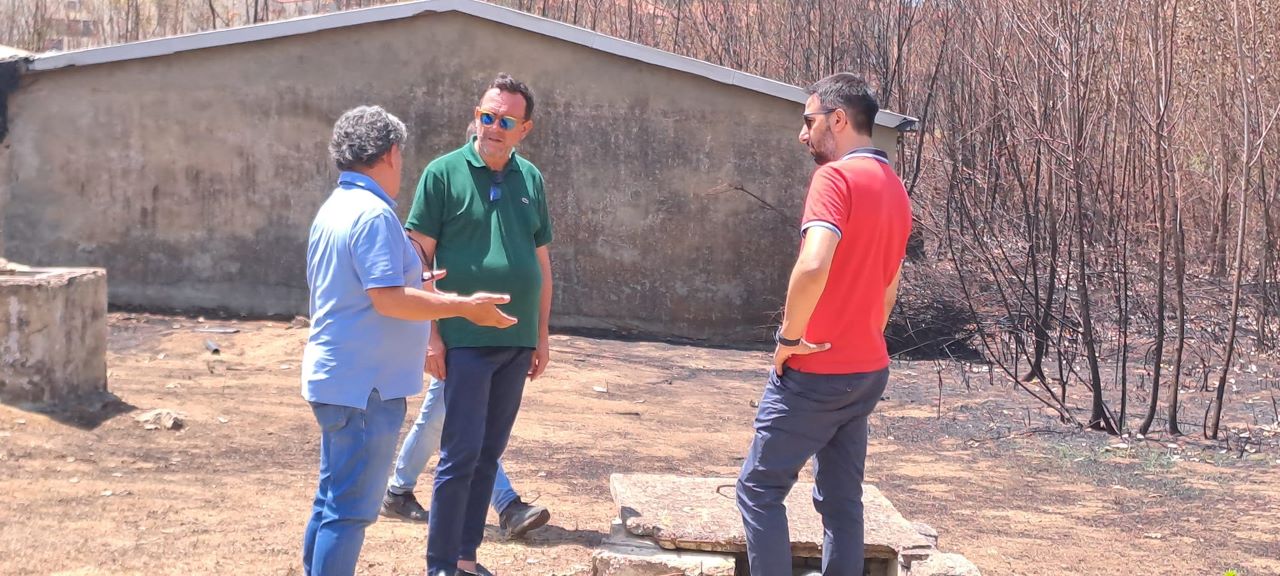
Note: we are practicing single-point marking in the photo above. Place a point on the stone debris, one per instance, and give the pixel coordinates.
(161, 418)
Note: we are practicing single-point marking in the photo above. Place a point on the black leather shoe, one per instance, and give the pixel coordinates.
(404, 507)
(519, 518)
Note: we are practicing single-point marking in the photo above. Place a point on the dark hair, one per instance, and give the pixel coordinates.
(505, 83)
(848, 92)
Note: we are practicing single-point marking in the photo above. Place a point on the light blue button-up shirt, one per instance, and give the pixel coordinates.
(358, 243)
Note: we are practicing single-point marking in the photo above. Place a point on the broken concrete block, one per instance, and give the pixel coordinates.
(942, 564)
(625, 554)
(927, 531)
(702, 514)
(161, 418)
(909, 556)
(54, 330)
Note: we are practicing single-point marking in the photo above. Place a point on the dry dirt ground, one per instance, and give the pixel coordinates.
(93, 492)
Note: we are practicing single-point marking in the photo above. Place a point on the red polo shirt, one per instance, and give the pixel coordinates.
(862, 199)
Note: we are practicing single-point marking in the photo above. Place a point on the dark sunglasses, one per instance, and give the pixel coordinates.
(488, 118)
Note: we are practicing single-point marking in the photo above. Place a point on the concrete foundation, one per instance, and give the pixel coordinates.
(53, 334)
(625, 554)
(674, 525)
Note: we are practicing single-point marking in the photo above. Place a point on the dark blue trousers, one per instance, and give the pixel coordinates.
(481, 397)
(805, 416)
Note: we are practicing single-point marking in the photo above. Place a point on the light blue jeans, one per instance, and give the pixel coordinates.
(423, 442)
(356, 447)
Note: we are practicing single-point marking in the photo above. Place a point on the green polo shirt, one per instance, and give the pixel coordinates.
(486, 245)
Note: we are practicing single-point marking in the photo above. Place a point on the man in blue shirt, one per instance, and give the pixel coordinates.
(370, 324)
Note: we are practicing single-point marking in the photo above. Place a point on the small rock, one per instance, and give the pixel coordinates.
(1153, 535)
(71, 459)
(20, 421)
(106, 492)
(161, 356)
(600, 389)
(173, 385)
(286, 366)
(161, 418)
(944, 565)
(300, 322)
(218, 330)
(223, 419)
(117, 474)
(75, 480)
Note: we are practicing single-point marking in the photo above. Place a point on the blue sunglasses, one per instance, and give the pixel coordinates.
(507, 123)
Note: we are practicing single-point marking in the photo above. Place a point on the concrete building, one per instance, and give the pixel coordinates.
(190, 167)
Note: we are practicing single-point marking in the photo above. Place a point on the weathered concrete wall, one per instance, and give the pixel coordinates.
(193, 177)
(53, 334)
(4, 190)
(9, 70)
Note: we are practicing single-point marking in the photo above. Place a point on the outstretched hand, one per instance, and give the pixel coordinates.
(485, 310)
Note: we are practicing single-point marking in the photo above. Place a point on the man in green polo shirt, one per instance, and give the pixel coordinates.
(480, 212)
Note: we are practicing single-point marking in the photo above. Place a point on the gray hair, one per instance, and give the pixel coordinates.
(363, 135)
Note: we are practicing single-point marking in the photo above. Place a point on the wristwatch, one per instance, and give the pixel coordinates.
(777, 337)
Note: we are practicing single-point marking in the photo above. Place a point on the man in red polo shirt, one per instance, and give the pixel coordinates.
(831, 364)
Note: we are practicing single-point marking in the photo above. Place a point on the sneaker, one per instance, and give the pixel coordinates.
(518, 518)
(403, 506)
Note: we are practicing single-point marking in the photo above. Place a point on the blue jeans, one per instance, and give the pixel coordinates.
(481, 403)
(424, 440)
(356, 449)
(805, 416)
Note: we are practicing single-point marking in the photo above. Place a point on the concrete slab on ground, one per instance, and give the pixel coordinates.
(702, 514)
(625, 554)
